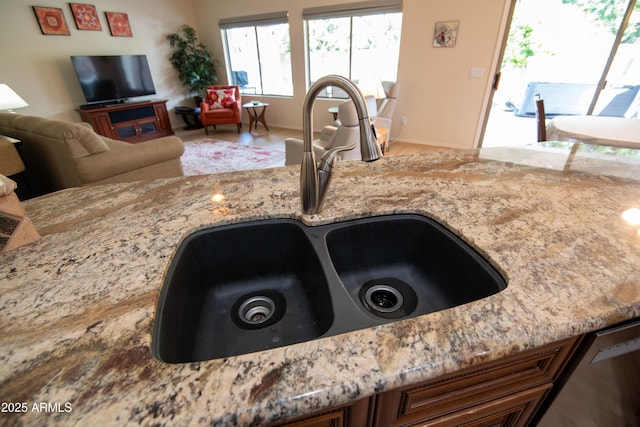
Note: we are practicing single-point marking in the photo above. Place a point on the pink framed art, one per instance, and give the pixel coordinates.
(51, 20)
(119, 24)
(86, 16)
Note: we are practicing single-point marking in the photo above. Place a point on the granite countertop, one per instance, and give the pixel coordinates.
(77, 307)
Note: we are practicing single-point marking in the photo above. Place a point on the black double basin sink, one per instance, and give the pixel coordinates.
(258, 285)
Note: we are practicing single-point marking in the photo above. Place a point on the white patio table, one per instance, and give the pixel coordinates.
(598, 130)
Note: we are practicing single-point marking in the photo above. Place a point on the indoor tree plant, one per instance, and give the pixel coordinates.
(194, 62)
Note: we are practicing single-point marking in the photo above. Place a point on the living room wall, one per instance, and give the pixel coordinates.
(442, 103)
(38, 67)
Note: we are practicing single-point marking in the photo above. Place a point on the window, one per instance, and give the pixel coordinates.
(360, 41)
(258, 53)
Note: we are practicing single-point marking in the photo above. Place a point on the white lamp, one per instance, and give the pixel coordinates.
(9, 99)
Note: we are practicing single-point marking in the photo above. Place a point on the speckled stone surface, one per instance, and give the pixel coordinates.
(77, 307)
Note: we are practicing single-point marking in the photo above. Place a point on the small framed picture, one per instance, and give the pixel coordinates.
(51, 20)
(86, 16)
(446, 34)
(119, 24)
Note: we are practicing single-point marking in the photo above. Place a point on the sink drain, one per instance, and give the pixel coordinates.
(388, 297)
(258, 310)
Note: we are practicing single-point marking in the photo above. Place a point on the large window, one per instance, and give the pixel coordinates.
(360, 41)
(258, 53)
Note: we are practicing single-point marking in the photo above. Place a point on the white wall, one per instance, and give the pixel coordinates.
(442, 103)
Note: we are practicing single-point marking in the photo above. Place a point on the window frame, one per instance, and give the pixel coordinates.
(347, 10)
(254, 21)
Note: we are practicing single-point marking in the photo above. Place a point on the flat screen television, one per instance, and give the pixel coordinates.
(114, 78)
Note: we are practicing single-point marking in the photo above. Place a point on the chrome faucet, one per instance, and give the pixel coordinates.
(315, 178)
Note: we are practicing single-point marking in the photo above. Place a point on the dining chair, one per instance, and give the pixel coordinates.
(346, 133)
(541, 118)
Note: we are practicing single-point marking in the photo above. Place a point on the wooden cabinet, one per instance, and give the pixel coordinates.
(355, 414)
(134, 122)
(505, 392)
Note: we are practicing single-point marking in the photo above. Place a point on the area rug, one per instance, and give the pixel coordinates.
(208, 156)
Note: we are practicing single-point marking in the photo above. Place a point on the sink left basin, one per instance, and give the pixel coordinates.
(241, 288)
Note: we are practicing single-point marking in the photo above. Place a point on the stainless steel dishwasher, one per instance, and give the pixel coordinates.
(604, 388)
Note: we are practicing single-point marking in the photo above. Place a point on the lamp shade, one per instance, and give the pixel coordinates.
(9, 99)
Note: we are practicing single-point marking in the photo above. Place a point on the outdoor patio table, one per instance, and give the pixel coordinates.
(597, 130)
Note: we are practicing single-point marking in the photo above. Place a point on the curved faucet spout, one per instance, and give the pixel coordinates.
(314, 179)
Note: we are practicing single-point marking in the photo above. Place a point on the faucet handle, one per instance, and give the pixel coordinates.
(328, 159)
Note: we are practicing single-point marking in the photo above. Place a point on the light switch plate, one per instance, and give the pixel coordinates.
(476, 72)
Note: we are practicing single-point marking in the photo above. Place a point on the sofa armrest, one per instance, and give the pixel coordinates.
(236, 107)
(123, 157)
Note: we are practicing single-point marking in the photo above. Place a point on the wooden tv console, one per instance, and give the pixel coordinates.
(131, 122)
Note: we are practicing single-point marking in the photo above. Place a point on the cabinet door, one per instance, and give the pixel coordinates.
(125, 130)
(148, 127)
(162, 117)
(353, 415)
(101, 124)
(514, 410)
(137, 131)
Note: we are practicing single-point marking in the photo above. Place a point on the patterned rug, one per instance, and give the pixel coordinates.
(208, 155)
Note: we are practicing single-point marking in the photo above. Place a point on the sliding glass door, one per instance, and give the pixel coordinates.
(565, 50)
(620, 80)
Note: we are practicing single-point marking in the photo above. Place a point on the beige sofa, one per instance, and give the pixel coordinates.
(59, 154)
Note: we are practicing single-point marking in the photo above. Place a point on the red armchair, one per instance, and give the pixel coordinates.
(223, 104)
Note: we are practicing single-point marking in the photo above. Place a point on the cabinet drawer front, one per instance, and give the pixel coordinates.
(476, 385)
(510, 411)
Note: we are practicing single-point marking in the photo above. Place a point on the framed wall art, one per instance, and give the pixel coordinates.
(86, 16)
(51, 20)
(446, 34)
(119, 24)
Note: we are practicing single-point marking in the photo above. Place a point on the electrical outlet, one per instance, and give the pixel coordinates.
(403, 120)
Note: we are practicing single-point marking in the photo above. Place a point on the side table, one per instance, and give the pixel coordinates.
(11, 165)
(254, 115)
(10, 160)
(334, 111)
(383, 139)
(188, 114)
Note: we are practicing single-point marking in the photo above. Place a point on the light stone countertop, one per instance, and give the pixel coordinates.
(77, 307)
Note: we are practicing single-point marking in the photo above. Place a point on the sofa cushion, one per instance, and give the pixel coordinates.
(220, 98)
(123, 157)
(219, 113)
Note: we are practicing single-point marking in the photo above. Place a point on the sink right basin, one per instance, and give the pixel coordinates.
(408, 265)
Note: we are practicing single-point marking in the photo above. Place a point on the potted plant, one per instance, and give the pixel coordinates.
(193, 61)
